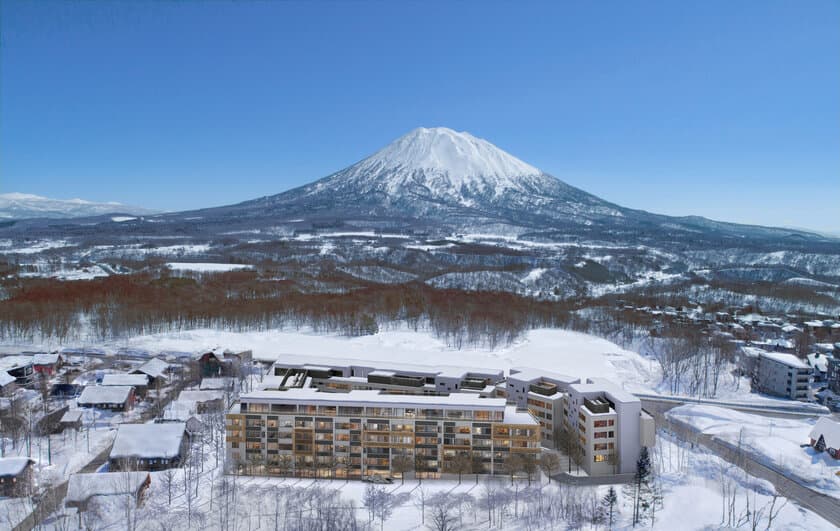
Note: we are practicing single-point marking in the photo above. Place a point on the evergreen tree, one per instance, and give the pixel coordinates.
(608, 503)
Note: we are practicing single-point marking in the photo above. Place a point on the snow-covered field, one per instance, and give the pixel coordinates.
(206, 267)
(561, 351)
(776, 441)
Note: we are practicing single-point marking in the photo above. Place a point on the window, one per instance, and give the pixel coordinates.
(599, 458)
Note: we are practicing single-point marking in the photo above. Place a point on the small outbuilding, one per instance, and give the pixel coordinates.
(156, 369)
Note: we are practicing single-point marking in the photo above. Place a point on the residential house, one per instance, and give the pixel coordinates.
(20, 367)
(15, 476)
(156, 369)
(140, 382)
(47, 364)
(149, 446)
(109, 397)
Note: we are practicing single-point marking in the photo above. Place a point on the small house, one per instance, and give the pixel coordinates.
(63, 391)
(110, 397)
(47, 364)
(149, 446)
(156, 369)
(7, 383)
(140, 382)
(825, 437)
(205, 401)
(20, 367)
(71, 419)
(15, 476)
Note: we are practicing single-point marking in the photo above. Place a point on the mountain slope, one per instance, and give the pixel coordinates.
(24, 206)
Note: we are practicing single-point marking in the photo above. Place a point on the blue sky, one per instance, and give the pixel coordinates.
(725, 109)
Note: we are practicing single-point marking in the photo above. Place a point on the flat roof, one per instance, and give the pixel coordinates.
(514, 416)
(301, 361)
(148, 440)
(607, 387)
(372, 398)
(786, 359)
(531, 374)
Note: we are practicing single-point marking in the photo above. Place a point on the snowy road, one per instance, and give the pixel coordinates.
(825, 506)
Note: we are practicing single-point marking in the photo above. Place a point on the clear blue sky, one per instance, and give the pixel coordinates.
(725, 109)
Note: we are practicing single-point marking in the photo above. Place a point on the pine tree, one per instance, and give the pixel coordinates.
(820, 446)
(641, 502)
(608, 503)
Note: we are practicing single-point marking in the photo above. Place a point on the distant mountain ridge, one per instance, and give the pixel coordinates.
(25, 206)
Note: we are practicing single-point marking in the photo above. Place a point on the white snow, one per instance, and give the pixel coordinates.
(534, 275)
(206, 267)
(774, 441)
(12, 466)
(120, 219)
(105, 394)
(82, 487)
(459, 155)
(148, 440)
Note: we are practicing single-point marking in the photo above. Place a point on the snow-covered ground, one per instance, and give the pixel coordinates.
(691, 481)
(776, 441)
(206, 267)
(561, 351)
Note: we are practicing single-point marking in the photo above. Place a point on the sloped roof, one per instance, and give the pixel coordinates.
(82, 487)
(13, 466)
(105, 394)
(6, 378)
(155, 367)
(136, 380)
(148, 440)
(45, 359)
(830, 431)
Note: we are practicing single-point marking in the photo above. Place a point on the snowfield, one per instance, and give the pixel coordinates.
(561, 351)
(778, 442)
(205, 267)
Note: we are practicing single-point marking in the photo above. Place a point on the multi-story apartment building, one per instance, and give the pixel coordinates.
(781, 375)
(610, 425)
(542, 393)
(361, 433)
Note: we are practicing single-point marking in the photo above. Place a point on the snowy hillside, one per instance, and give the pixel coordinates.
(24, 206)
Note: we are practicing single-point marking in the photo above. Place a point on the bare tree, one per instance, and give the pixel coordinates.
(549, 461)
(402, 464)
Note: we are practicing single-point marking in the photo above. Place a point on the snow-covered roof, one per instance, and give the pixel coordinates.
(818, 361)
(373, 398)
(514, 416)
(45, 359)
(13, 466)
(105, 394)
(136, 380)
(178, 410)
(789, 329)
(6, 378)
(148, 440)
(156, 368)
(200, 396)
(607, 387)
(215, 383)
(830, 431)
(71, 415)
(787, 359)
(13, 362)
(531, 375)
(82, 487)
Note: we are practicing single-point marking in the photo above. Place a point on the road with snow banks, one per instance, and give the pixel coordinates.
(821, 504)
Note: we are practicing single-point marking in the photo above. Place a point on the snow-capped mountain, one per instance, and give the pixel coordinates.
(24, 206)
(452, 210)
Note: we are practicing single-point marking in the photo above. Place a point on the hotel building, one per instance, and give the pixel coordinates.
(358, 433)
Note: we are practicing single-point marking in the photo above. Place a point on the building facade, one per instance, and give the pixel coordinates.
(782, 375)
(306, 432)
